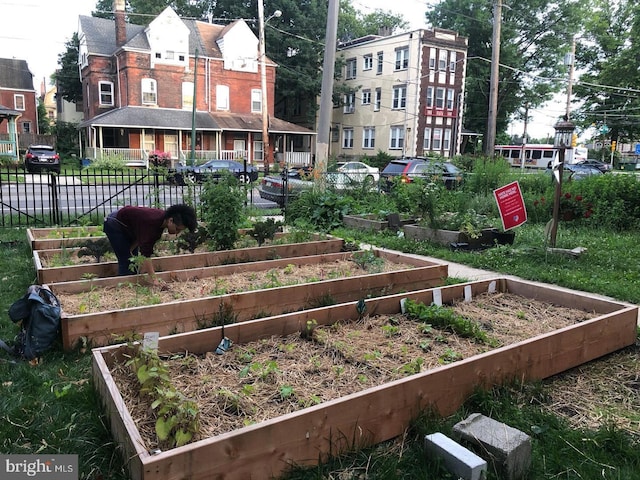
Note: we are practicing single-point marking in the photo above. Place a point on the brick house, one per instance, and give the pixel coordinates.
(405, 95)
(18, 95)
(138, 85)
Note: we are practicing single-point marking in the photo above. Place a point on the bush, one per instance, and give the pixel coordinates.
(222, 206)
(323, 210)
(109, 162)
(488, 174)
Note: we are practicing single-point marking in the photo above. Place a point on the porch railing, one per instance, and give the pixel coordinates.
(138, 157)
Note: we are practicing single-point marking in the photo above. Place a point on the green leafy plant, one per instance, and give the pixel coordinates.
(447, 318)
(368, 260)
(265, 230)
(222, 211)
(177, 417)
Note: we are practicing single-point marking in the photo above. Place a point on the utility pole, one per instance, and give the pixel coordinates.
(326, 104)
(524, 136)
(490, 138)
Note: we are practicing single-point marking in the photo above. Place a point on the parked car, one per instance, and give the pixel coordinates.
(298, 180)
(591, 162)
(360, 171)
(574, 171)
(41, 157)
(408, 169)
(186, 174)
(285, 186)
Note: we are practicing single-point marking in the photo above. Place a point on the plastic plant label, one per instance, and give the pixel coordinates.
(150, 341)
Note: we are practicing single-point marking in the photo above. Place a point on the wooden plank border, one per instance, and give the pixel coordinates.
(68, 273)
(101, 328)
(374, 415)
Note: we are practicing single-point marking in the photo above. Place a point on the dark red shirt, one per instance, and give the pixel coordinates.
(143, 226)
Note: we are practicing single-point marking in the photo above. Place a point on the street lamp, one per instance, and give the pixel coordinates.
(562, 141)
(263, 79)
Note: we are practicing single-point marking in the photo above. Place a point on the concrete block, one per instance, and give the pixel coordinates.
(506, 448)
(459, 460)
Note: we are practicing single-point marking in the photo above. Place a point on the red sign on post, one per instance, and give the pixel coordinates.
(511, 205)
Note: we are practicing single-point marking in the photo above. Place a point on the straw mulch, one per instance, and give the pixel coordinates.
(128, 295)
(278, 375)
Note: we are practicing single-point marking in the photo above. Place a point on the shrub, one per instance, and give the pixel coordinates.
(488, 174)
(109, 162)
(222, 207)
(321, 209)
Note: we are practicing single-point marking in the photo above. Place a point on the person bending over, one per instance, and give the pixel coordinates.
(135, 230)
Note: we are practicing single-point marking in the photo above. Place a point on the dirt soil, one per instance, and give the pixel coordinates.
(264, 379)
(128, 295)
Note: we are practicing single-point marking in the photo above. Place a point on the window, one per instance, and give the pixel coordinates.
(396, 141)
(367, 63)
(366, 97)
(452, 62)
(380, 62)
(369, 137)
(442, 60)
(450, 95)
(427, 139)
(352, 68)
(258, 149)
(106, 93)
(440, 98)
(187, 95)
(222, 97)
(18, 102)
(402, 58)
(256, 100)
(149, 93)
(26, 127)
(347, 138)
(399, 97)
(446, 142)
(349, 103)
(437, 139)
(378, 100)
(169, 55)
(432, 58)
(429, 97)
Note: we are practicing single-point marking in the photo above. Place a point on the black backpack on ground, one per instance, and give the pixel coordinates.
(39, 311)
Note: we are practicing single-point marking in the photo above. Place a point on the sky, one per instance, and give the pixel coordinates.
(37, 30)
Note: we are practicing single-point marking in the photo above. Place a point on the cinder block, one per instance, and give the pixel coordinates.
(508, 449)
(459, 460)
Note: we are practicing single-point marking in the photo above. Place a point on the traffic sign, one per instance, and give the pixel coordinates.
(604, 129)
(637, 148)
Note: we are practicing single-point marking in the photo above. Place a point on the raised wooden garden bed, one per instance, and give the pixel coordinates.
(181, 315)
(58, 237)
(266, 449)
(373, 222)
(487, 237)
(180, 262)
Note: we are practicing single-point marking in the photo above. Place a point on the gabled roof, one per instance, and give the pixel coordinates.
(100, 35)
(15, 74)
(101, 38)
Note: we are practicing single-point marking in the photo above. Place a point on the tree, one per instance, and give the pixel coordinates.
(67, 77)
(535, 36)
(44, 125)
(608, 52)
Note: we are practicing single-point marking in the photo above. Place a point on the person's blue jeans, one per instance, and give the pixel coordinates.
(120, 243)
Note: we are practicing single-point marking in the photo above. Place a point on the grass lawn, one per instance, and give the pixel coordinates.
(52, 407)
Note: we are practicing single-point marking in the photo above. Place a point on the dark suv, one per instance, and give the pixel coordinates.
(408, 169)
(41, 157)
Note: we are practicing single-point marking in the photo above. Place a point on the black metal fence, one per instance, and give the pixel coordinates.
(84, 196)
